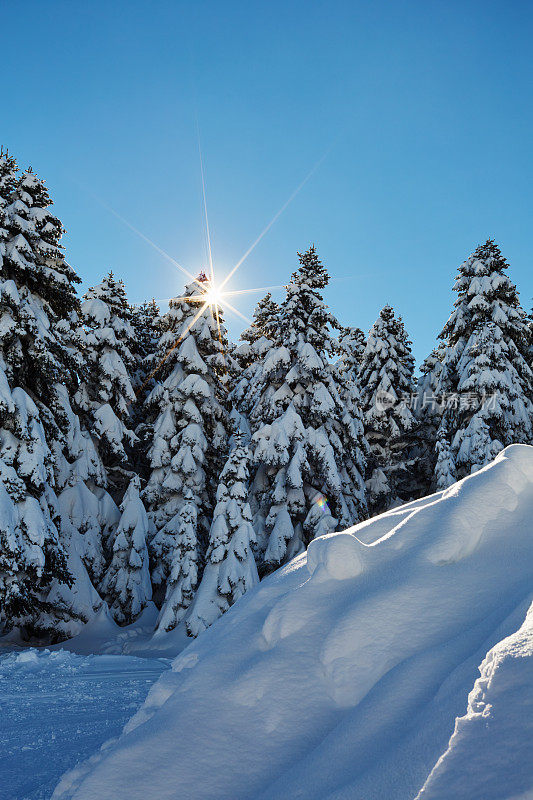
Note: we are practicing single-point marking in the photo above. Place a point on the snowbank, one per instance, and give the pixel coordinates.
(490, 754)
(342, 675)
(102, 635)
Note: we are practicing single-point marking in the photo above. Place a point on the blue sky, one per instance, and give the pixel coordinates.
(423, 111)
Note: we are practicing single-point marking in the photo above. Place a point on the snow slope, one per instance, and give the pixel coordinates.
(341, 676)
(490, 754)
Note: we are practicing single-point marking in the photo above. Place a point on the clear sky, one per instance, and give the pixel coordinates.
(421, 111)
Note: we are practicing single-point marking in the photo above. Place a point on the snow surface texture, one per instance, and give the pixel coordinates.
(58, 707)
(341, 676)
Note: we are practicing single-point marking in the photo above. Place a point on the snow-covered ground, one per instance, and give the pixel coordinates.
(57, 708)
(342, 675)
(393, 661)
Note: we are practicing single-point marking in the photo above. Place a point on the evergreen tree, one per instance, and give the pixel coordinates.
(126, 585)
(107, 394)
(256, 341)
(386, 381)
(147, 327)
(530, 340)
(230, 569)
(38, 365)
(485, 367)
(147, 330)
(188, 422)
(305, 444)
(445, 473)
(430, 406)
(352, 345)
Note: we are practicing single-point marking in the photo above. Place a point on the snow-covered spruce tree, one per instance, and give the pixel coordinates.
(189, 422)
(352, 345)
(445, 473)
(106, 395)
(429, 410)
(386, 382)
(230, 568)
(147, 330)
(485, 375)
(38, 366)
(126, 586)
(529, 352)
(257, 338)
(256, 341)
(305, 442)
(87, 511)
(147, 327)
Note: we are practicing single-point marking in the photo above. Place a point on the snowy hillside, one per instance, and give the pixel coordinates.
(342, 675)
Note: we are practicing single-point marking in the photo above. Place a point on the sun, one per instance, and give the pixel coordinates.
(213, 296)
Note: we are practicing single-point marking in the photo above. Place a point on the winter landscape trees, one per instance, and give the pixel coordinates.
(485, 364)
(144, 457)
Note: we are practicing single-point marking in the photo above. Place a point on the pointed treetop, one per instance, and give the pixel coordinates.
(311, 271)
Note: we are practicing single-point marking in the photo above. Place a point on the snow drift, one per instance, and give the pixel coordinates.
(343, 674)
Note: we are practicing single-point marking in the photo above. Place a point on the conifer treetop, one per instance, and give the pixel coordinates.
(485, 293)
(264, 321)
(34, 255)
(386, 374)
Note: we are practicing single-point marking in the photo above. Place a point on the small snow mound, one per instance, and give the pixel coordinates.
(28, 657)
(287, 617)
(336, 555)
(520, 455)
(185, 661)
(34, 660)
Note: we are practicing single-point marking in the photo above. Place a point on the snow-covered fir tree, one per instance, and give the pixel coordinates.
(352, 345)
(126, 585)
(87, 511)
(386, 383)
(529, 356)
(230, 568)
(38, 366)
(106, 396)
(256, 341)
(189, 422)
(444, 469)
(147, 330)
(305, 442)
(485, 375)
(147, 327)
(429, 409)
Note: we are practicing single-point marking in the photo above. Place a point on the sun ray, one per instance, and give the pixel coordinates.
(207, 232)
(212, 295)
(274, 219)
(144, 237)
(237, 312)
(232, 293)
